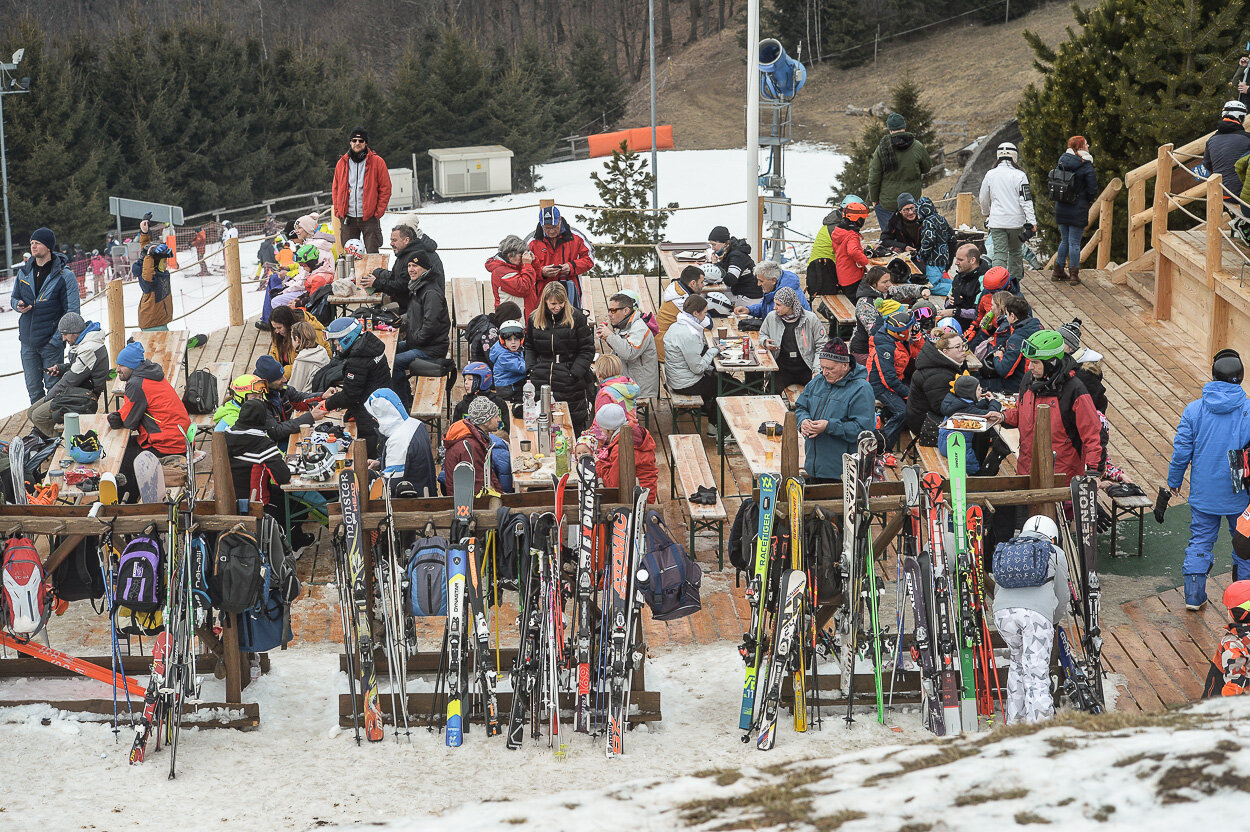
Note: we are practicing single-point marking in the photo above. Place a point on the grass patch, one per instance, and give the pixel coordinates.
(786, 802)
(722, 776)
(517, 821)
(1104, 812)
(828, 823)
(944, 755)
(1206, 773)
(1060, 745)
(1133, 759)
(988, 797)
(1024, 818)
(1065, 801)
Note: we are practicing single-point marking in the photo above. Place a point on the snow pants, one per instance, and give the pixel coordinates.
(1204, 530)
(1029, 636)
(1008, 250)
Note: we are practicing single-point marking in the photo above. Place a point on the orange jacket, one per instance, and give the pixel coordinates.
(608, 465)
(849, 257)
(377, 187)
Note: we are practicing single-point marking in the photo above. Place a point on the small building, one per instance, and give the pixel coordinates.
(472, 171)
(403, 189)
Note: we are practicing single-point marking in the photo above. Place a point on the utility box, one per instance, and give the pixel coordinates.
(472, 171)
(403, 189)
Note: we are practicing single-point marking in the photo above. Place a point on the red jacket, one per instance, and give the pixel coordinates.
(519, 283)
(466, 443)
(377, 187)
(848, 252)
(608, 465)
(569, 248)
(153, 410)
(1083, 414)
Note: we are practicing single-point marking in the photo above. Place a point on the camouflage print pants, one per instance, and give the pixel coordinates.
(1029, 636)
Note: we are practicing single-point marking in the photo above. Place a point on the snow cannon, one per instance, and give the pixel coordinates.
(781, 77)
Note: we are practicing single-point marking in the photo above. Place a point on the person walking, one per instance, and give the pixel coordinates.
(898, 166)
(361, 191)
(1074, 197)
(1007, 204)
(200, 243)
(43, 291)
(1209, 428)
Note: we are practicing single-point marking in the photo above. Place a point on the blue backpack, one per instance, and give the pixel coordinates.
(1022, 562)
(267, 624)
(673, 577)
(426, 572)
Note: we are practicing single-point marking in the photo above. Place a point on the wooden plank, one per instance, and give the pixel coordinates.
(112, 441)
(1143, 657)
(1139, 689)
(842, 307)
(743, 415)
(692, 470)
(1178, 669)
(466, 300)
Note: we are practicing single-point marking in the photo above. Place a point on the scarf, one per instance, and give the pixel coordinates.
(786, 296)
(690, 321)
(358, 155)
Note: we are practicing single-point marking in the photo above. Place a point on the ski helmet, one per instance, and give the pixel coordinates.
(356, 248)
(850, 198)
(308, 254)
(718, 303)
(712, 275)
(855, 211)
(508, 328)
(1043, 525)
(85, 447)
(245, 384)
(1227, 366)
(996, 279)
(344, 332)
(160, 251)
(1043, 345)
(227, 224)
(480, 372)
(1007, 150)
(1233, 109)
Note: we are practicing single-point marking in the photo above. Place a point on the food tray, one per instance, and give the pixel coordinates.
(690, 255)
(968, 422)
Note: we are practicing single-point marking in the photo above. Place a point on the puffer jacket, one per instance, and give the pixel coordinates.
(507, 366)
(953, 404)
(634, 343)
(608, 461)
(365, 370)
(59, 294)
(848, 405)
(406, 454)
(569, 248)
(561, 357)
(514, 283)
(905, 174)
(888, 361)
(738, 267)
(428, 324)
(687, 357)
(848, 250)
(306, 364)
(465, 442)
(1229, 144)
(395, 281)
(156, 305)
(1210, 427)
(866, 314)
(930, 385)
(87, 365)
(674, 297)
(152, 409)
(1077, 213)
(966, 294)
(809, 334)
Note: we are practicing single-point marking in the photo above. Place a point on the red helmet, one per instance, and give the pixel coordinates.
(1237, 595)
(855, 211)
(996, 279)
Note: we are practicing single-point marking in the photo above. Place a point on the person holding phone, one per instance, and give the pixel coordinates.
(44, 290)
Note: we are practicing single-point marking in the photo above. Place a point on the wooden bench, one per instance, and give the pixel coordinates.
(931, 460)
(428, 397)
(222, 371)
(466, 304)
(683, 402)
(1126, 508)
(690, 468)
(791, 395)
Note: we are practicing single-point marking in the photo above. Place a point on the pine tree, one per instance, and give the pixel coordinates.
(599, 87)
(905, 99)
(520, 120)
(626, 184)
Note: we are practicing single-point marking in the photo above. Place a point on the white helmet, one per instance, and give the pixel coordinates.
(355, 248)
(1234, 109)
(227, 224)
(1007, 150)
(718, 303)
(713, 274)
(1043, 525)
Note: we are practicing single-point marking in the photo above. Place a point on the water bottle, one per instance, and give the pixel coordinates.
(530, 407)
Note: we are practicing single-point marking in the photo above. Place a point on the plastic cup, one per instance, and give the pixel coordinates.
(525, 446)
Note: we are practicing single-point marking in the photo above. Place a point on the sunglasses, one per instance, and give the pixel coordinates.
(357, 141)
(614, 310)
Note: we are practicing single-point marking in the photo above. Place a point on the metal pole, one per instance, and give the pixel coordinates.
(753, 120)
(4, 174)
(655, 172)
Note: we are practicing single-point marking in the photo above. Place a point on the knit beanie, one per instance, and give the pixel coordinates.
(965, 386)
(610, 417)
(131, 355)
(1071, 333)
(309, 222)
(719, 234)
(253, 413)
(905, 199)
(886, 306)
(359, 133)
(481, 410)
(898, 323)
(896, 122)
(268, 368)
(835, 349)
(45, 236)
(71, 323)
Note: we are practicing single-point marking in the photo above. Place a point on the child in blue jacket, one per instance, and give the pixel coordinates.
(966, 397)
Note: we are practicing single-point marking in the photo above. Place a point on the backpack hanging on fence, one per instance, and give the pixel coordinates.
(236, 578)
(512, 544)
(282, 573)
(1061, 185)
(822, 551)
(673, 576)
(78, 577)
(426, 574)
(742, 536)
(1022, 562)
(201, 394)
(139, 585)
(25, 594)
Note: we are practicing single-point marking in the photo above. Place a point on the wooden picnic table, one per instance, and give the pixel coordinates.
(667, 253)
(743, 415)
(298, 483)
(539, 478)
(756, 376)
(842, 307)
(360, 299)
(390, 340)
(112, 441)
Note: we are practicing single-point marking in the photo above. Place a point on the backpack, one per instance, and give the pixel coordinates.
(673, 576)
(822, 551)
(78, 577)
(201, 393)
(330, 375)
(481, 334)
(265, 627)
(1061, 185)
(140, 582)
(237, 578)
(25, 595)
(426, 574)
(318, 304)
(1022, 562)
(282, 574)
(512, 543)
(742, 536)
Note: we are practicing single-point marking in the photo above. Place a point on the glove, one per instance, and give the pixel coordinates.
(380, 274)
(115, 421)
(1027, 234)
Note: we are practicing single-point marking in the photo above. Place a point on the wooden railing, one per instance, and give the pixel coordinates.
(1102, 212)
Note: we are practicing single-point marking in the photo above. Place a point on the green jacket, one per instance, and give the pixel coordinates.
(822, 246)
(1240, 167)
(913, 163)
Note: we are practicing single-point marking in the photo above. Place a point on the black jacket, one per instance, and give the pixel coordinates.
(561, 357)
(930, 384)
(249, 447)
(395, 282)
(364, 371)
(282, 423)
(428, 323)
(966, 293)
(1091, 377)
(1229, 144)
(739, 270)
(1077, 213)
(901, 232)
(859, 341)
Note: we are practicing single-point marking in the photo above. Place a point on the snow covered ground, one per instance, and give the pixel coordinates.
(688, 177)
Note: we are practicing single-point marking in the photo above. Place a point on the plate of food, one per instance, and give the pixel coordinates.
(966, 421)
(691, 255)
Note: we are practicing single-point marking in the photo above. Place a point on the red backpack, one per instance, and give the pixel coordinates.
(25, 594)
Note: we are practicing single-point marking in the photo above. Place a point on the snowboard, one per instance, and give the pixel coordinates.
(17, 469)
(150, 478)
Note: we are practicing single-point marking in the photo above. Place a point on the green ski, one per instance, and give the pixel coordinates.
(965, 584)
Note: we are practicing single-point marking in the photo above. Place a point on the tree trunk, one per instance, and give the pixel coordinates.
(720, 15)
(666, 24)
(695, 9)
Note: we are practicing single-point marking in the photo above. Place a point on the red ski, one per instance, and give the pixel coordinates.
(73, 664)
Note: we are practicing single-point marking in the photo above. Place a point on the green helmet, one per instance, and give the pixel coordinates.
(1044, 345)
(307, 253)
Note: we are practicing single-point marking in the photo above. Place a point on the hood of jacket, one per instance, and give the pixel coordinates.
(673, 291)
(925, 209)
(839, 234)
(930, 356)
(385, 406)
(1070, 161)
(902, 141)
(1225, 125)
(462, 430)
(148, 370)
(858, 372)
(1223, 396)
(367, 345)
(622, 389)
(91, 336)
(425, 243)
(866, 291)
(499, 267)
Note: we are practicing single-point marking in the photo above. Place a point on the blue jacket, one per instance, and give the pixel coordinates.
(788, 278)
(37, 328)
(1011, 367)
(881, 359)
(1210, 427)
(848, 405)
(507, 366)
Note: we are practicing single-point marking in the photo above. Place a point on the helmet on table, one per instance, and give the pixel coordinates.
(718, 303)
(344, 332)
(712, 274)
(1043, 345)
(85, 448)
(1043, 525)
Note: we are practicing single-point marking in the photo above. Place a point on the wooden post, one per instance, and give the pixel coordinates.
(224, 498)
(1042, 473)
(1217, 335)
(546, 203)
(1136, 204)
(963, 209)
(625, 453)
(234, 279)
(1165, 273)
(1215, 218)
(1106, 214)
(1163, 187)
(790, 446)
(117, 318)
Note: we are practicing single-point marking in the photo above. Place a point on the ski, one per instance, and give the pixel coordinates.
(553, 632)
(586, 482)
(486, 673)
(988, 686)
(794, 495)
(463, 480)
(148, 717)
(73, 664)
(865, 565)
(947, 649)
(922, 648)
(786, 644)
(1078, 687)
(753, 641)
(353, 542)
(1085, 510)
(964, 582)
(524, 668)
(627, 651)
(17, 469)
(618, 601)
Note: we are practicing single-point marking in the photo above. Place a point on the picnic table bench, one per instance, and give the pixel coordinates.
(112, 442)
(465, 294)
(840, 306)
(743, 415)
(691, 470)
(755, 375)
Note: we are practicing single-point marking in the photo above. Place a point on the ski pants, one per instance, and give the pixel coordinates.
(894, 408)
(34, 360)
(1029, 636)
(1204, 530)
(1008, 250)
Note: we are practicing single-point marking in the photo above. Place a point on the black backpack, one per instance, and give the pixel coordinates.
(822, 551)
(201, 393)
(236, 578)
(1061, 185)
(318, 304)
(481, 334)
(742, 536)
(328, 376)
(512, 544)
(673, 576)
(281, 560)
(78, 577)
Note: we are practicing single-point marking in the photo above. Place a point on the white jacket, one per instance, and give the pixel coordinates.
(634, 344)
(1006, 200)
